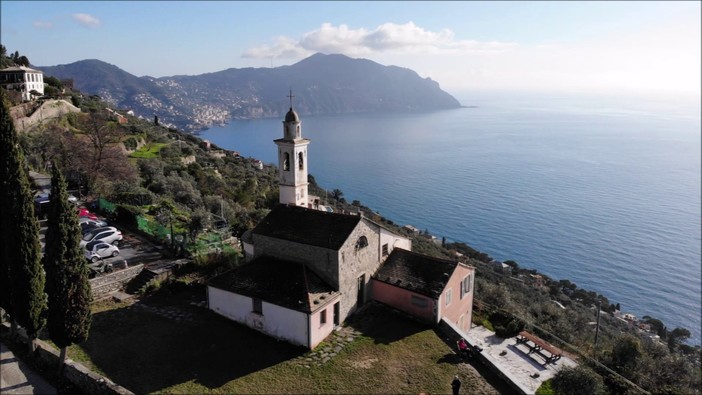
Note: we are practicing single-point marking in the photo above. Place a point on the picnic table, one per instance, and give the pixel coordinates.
(539, 345)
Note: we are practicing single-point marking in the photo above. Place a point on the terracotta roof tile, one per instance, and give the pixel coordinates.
(308, 226)
(283, 283)
(419, 273)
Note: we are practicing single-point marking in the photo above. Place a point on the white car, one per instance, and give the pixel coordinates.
(98, 250)
(109, 235)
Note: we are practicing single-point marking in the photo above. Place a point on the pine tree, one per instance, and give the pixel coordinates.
(67, 271)
(23, 278)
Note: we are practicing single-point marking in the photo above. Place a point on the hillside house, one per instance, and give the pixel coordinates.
(308, 269)
(24, 80)
(427, 288)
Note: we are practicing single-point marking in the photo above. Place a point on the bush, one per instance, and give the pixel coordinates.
(130, 143)
(577, 380)
(545, 388)
(127, 215)
(505, 325)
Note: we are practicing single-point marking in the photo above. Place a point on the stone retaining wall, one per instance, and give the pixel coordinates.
(49, 109)
(46, 358)
(102, 286)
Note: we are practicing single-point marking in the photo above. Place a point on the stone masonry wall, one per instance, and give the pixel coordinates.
(323, 261)
(355, 263)
(108, 283)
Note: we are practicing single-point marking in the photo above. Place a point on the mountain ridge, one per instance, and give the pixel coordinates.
(321, 84)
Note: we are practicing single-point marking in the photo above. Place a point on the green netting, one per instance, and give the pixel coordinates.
(106, 206)
(143, 224)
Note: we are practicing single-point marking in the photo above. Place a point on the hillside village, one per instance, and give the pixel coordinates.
(268, 252)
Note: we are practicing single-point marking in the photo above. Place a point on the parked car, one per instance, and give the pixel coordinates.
(91, 226)
(111, 235)
(100, 250)
(86, 220)
(94, 228)
(84, 212)
(41, 204)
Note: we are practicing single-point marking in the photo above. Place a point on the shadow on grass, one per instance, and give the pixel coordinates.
(450, 358)
(384, 324)
(145, 350)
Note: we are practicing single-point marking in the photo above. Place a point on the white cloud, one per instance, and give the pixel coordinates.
(386, 38)
(42, 25)
(87, 20)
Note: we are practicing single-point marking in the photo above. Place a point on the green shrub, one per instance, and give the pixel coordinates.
(130, 143)
(505, 325)
(545, 388)
(487, 324)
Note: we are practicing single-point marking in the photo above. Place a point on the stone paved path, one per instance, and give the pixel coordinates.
(172, 313)
(16, 377)
(340, 338)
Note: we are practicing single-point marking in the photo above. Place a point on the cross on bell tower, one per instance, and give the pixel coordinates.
(292, 160)
(291, 97)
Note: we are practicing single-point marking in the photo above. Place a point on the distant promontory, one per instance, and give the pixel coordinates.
(321, 84)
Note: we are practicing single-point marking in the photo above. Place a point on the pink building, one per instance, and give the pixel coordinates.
(426, 287)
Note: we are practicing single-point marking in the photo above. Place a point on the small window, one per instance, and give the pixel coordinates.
(447, 296)
(385, 249)
(466, 285)
(323, 317)
(300, 161)
(257, 306)
(362, 242)
(286, 161)
(419, 301)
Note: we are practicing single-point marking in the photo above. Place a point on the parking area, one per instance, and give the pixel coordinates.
(132, 250)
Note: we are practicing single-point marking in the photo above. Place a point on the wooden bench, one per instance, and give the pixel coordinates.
(539, 345)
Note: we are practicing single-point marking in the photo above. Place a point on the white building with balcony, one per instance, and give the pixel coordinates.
(24, 80)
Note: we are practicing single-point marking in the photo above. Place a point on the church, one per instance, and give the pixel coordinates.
(307, 270)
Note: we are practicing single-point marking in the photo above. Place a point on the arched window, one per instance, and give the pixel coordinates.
(286, 162)
(362, 242)
(301, 161)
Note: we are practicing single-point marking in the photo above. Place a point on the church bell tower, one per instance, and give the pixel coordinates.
(292, 161)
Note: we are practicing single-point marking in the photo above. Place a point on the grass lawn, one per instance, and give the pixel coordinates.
(148, 151)
(167, 345)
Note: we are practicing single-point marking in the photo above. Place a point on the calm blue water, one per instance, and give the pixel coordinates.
(603, 192)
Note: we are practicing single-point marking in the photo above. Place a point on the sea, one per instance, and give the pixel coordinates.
(601, 190)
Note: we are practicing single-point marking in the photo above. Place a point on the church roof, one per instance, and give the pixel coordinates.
(308, 226)
(418, 273)
(283, 283)
(291, 116)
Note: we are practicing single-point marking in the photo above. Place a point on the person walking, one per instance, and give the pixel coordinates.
(456, 385)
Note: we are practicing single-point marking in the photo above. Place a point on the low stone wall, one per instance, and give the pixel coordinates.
(104, 285)
(46, 358)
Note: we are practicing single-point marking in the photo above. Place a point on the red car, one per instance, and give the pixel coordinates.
(83, 212)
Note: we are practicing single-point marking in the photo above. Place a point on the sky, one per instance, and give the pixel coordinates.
(572, 46)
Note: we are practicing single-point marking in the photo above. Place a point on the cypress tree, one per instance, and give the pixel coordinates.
(67, 271)
(22, 274)
(9, 171)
